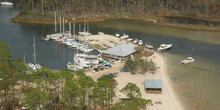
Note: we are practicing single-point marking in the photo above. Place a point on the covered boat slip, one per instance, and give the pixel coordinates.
(119, 51)
(153, 85)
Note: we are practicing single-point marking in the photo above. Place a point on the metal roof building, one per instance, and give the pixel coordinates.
(119, 51)
(153, 85)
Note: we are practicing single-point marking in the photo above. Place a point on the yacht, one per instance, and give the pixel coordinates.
(34, 65)
(188, 60)
(135, 41)
(117, 34)
(7, 3)
(88, 59)
(101, 33)
(140, 42)
(164, 47)
(130, 39)
(125, 36)
(148, 45)
(84, 33)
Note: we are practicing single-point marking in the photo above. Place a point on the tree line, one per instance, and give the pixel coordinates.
(115, 8)
(63, 90)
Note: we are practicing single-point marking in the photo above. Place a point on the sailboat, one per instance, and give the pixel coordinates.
(34, 65)
(84, 32)
(56, 35)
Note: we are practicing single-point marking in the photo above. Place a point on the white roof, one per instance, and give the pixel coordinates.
(122, 50)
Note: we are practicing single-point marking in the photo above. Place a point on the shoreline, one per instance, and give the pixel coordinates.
(169, 98)
(171, 85)
(160, 21)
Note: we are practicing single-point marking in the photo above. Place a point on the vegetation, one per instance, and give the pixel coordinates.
(63, 90)
(133, 92)
(118, 8)
(138, 64)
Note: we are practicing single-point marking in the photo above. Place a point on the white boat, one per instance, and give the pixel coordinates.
(34, 65)
(135, 41)
(88, 59)
(73, 67)
(140, 42)
(7, 3)
(84, 33)
(125, 36)
(130, 39)
(100, 33)
(188, 60)
(117, 34)
(87, 49)
(148, 45)
(164, 47)
(46, 38)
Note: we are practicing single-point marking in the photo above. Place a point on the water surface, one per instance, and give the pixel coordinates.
(197, 84)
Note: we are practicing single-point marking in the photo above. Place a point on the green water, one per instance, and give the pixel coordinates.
(197, 84)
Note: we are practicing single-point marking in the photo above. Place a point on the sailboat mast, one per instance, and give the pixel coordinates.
(69, 28)
(24, 58)
(84, 25)
(193, 52)
(55, 22)
(34, 50)
(79, 27)
(74, 29)
(60, 25)
(87, 26)
(63, 26)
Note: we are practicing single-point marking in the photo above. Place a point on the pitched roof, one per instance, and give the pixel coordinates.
(121, 50)
(153, 83)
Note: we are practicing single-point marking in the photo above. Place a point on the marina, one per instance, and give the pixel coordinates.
(188, 80)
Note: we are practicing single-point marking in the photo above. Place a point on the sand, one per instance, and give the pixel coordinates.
(169, 99)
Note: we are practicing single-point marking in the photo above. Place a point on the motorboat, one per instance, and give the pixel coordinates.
(84, 33)
(188, 60)
(117, 34)
(45, 38)
(140, 42)
(100, 33)
(164, 47)
(88, 59)
(7, 3)
(148, 45)
(130, 39)
(135, 41)
(125, 36)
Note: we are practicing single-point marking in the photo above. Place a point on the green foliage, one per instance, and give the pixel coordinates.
(35, 98)
(139, 64)
(135, 104)
(131, 90)
(43, 88)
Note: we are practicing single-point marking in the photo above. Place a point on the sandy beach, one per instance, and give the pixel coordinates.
(168, 100)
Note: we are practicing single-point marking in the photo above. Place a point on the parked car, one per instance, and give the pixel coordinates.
(107, 66)
(94, 70)
(113, 74)
(101, 67)
(124, 69)
(112, 62)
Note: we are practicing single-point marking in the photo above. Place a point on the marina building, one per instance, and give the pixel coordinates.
(119, 51)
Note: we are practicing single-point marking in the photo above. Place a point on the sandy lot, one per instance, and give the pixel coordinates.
(168, 98)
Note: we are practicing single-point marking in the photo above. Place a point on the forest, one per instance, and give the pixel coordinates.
(59, 90)
(117, 8)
